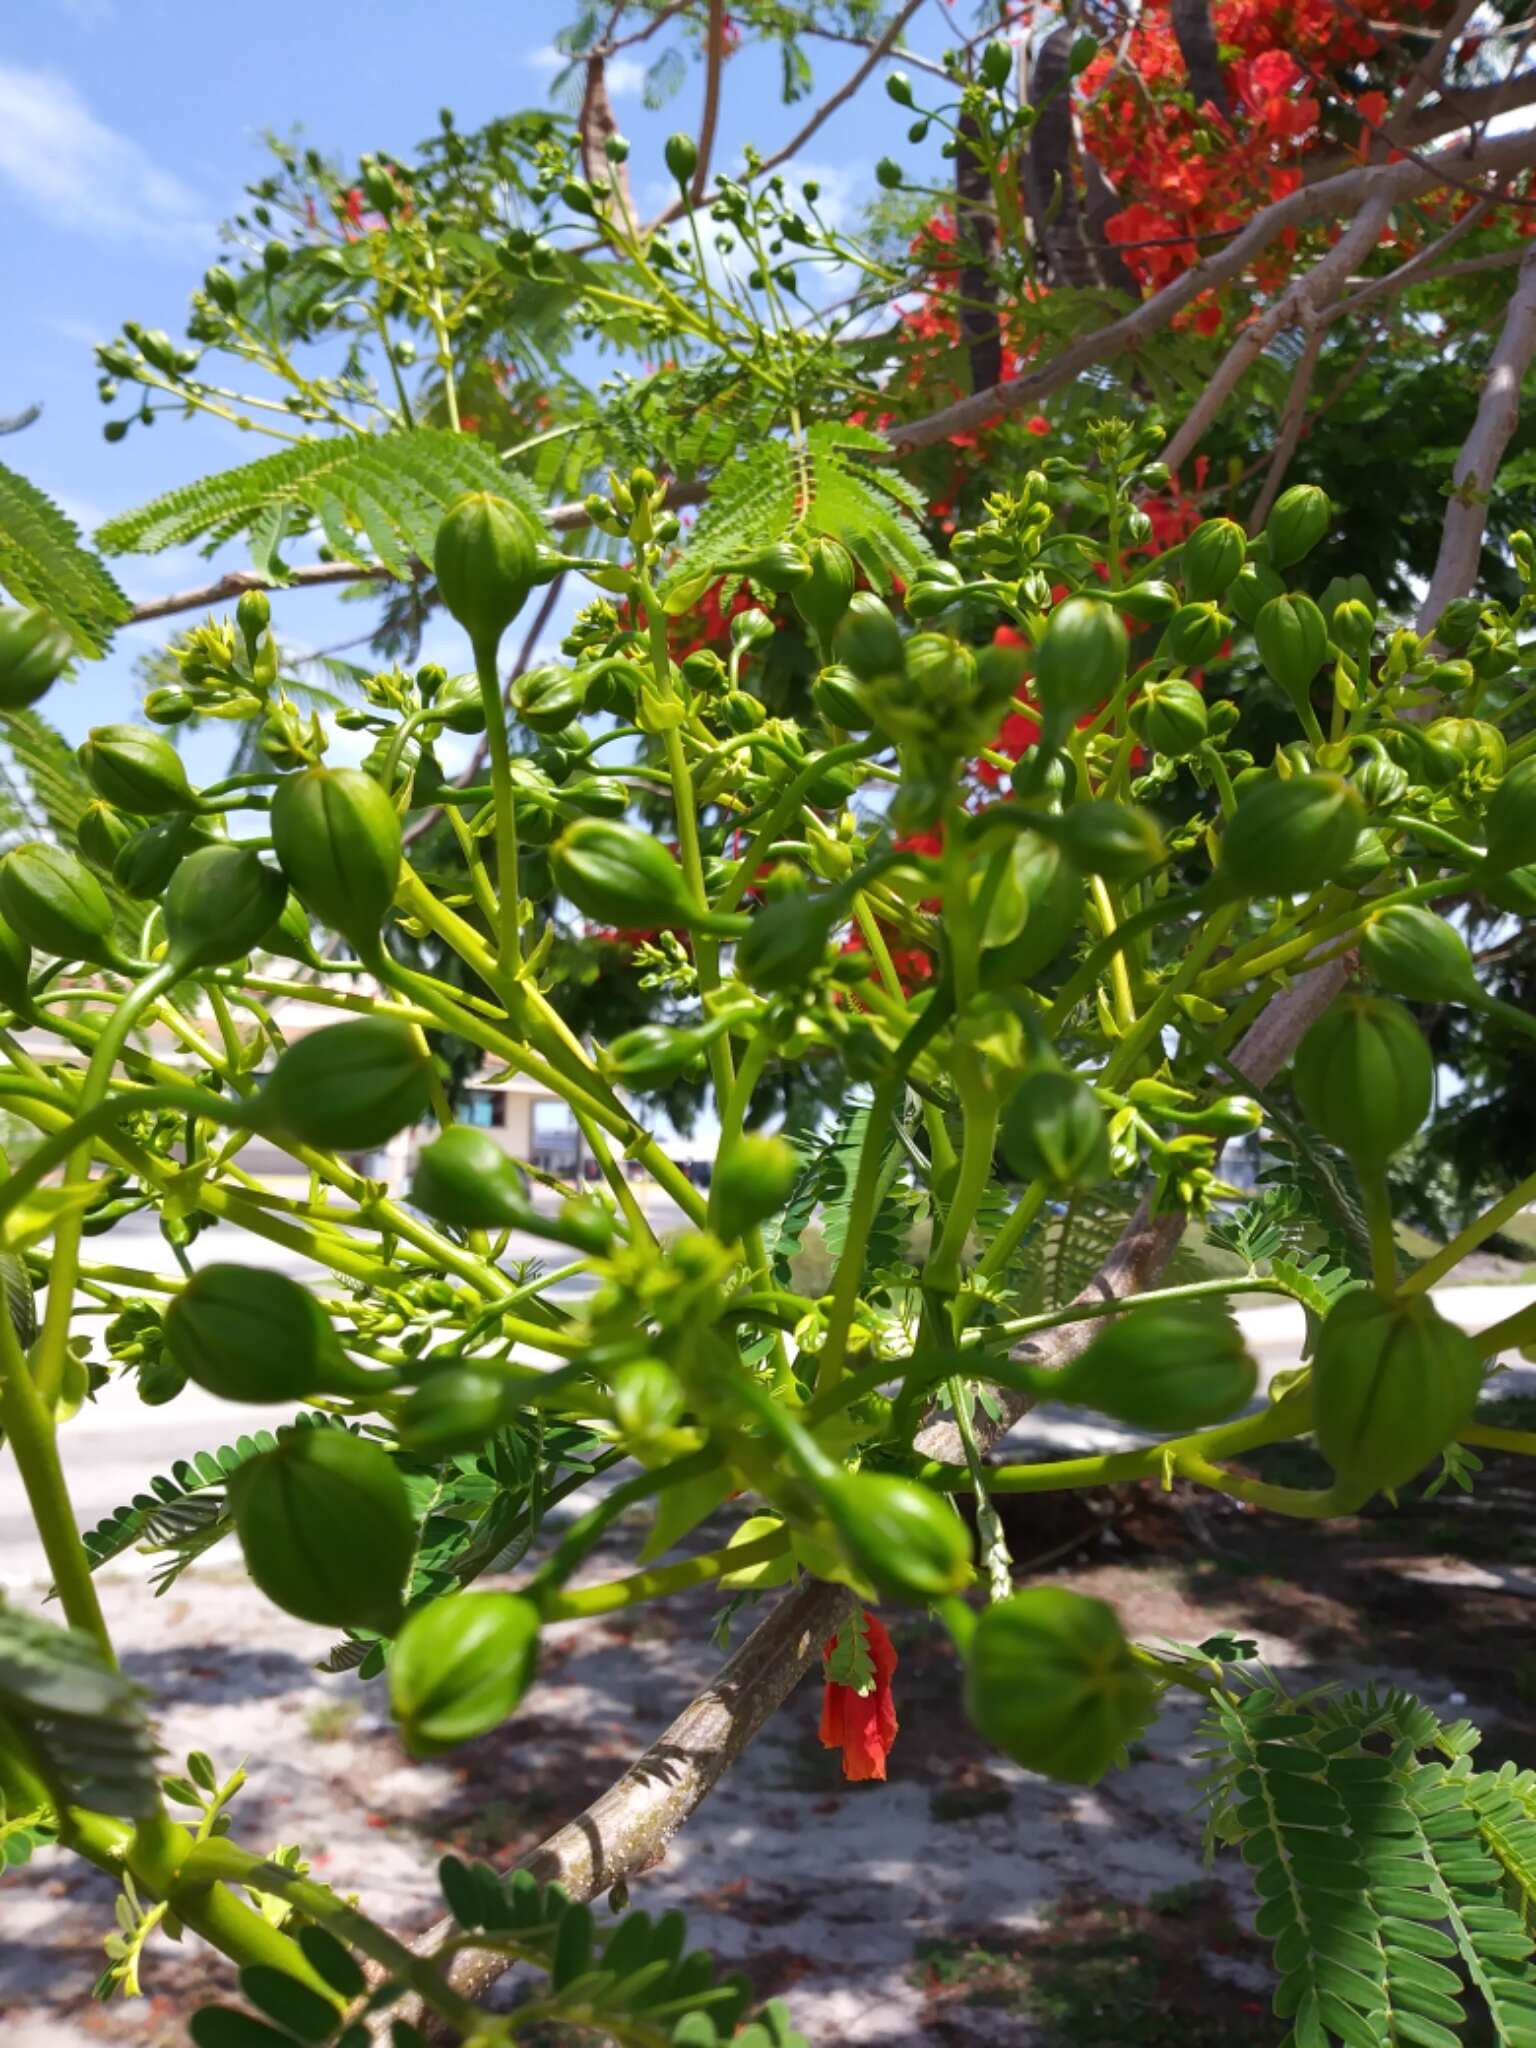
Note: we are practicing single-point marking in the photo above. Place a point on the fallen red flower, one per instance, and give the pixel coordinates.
(862, 1724)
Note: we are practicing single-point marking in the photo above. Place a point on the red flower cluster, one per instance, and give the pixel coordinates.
(1196, 174)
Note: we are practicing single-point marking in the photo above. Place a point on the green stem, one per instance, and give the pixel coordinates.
(663, 1579)
(1450, 1255)
(30, 1430)
(861, 1217)
(510, 942)
(54, 1342)
(1377, 1204)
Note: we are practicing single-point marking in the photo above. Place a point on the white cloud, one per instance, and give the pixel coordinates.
(81, 173)
(624, 75)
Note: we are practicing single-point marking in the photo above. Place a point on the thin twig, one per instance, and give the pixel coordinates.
(714, 61)
(1289, 437)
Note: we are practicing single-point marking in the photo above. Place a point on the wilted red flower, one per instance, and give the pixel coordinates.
(862, 1725)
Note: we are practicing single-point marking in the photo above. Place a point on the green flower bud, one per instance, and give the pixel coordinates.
(647, 1398)
(1210, 559)
(1392, 1384)
(169, 707)
(289, 936)
(15, 970)
(1413, 953)
(465, 1178)
(486, 560)
(1081, 658)
(326, 1527)
(35, 650)
(785, 943)
(136, 770)
(1382, 783)
(253, 615)
(460, 1666)
(337, 838)
(1293, 643)
(547, 699)
(825, 594)
(221, 903)
(1054, 1131)
(1364, 1077)
(102, 833)
(1033, 914)
(349, 1087)
(681, 154)
(869, 641)
(1287, 836)
(147, 860)
(779, 568)
(1300, 519)
(996, 64)
(1194, 634)
(838, 695)
(1172, 718)
(248, 1334)
(1510, 825)
(1119, 841)
(1256, 585)
(54, 902)
(653, 1056)
(453, 1411)
(907, 1542)
(1150, 603)
(1052, 1682)
(621, 876)
(1458, 622)
(460, 705)
(1352, 627)
(752, 1182)
(1166, 1369)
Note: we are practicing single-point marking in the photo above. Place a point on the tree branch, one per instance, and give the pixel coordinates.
(570, 518)
(1469, 108)
(1305, 296)
(628, 1827)
(1291, 423)
(594, 126)
(1500, 156)
(1498, 414)
(714, 44)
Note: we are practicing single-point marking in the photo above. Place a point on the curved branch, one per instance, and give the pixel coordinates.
(627, 1828)
(976, 229)
(569, 518)
(1347, 193)
(1498, 414)
(714, 45)
(21, 419)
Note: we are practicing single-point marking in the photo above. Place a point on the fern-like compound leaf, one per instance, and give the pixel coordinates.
(44, 565)
(376, 498)
(81, 1722)
(828, 482)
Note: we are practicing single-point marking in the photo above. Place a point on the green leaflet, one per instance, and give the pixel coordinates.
(1377, 1872)
(83, 1722)
(629, 1979)
(823, 485)
(376, 498)
(44, 566)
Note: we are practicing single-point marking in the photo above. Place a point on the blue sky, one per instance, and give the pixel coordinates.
(127, 131)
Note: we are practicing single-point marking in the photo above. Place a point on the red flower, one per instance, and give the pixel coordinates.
(862, 1725)
(1037, 423)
